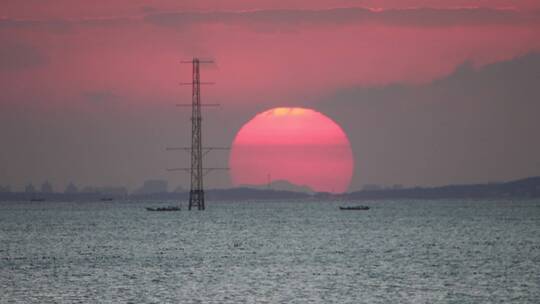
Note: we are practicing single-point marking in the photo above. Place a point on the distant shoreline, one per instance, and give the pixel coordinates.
(523, 188)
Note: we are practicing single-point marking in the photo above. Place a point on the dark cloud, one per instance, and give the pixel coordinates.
(53, 25)
(422, 17)
(100, 96)
(62, 26)
(475, 125)
(105, 22)
(286, 18)
(20, 56)
(148, 9)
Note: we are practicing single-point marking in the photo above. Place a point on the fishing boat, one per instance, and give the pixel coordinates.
(354, 208)
(168, 208)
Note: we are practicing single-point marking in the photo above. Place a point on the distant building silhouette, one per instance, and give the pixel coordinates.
(113, 191)
(372, 187)
(5, 189)
(89, 189)
(46, 187)
(29, 188)
(106, 191)
(153, 186)
(71, 188)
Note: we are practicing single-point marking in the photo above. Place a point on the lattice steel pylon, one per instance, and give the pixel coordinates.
(197, 171)
(196, 193)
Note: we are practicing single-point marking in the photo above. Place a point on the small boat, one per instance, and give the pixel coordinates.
(168, 208)
(39, 199)
(354, 208)
(106, 199)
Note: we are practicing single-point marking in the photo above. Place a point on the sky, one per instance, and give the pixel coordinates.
(429, 92)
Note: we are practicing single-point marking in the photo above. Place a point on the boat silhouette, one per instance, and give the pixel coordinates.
(168, 208)
(354, 208)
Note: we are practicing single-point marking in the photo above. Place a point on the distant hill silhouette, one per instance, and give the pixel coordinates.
(281, 185)
(244, 193)
(523, 188)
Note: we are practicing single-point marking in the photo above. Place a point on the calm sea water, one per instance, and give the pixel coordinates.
(271, 252)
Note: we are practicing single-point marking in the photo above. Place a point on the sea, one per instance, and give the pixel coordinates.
(399, 251)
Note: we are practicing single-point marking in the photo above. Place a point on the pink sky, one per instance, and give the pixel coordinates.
(110, 69)
(265, 52)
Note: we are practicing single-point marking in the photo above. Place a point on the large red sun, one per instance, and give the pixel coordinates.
(301, 146)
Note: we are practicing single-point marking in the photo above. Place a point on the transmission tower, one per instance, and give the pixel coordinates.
(197, 170)
(196, 193)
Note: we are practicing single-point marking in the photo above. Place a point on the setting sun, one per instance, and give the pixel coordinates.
(301, 146)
